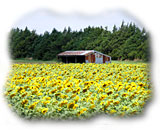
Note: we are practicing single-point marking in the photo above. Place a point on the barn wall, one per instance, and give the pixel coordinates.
(86, 59)
(90, 58)
(98, 58)
(107, 59)
(104, 59)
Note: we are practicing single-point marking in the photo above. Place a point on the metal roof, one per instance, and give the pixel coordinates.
(79, 53)
(76, 53)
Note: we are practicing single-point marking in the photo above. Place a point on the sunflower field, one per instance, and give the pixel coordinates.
(77, 91)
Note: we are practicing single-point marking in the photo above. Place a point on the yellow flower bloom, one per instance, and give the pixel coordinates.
(74, 95)
(133, 84)
(124, 94)
(59, 77)
(106, 90)
(113, 111)
(59, 109)
(116, 95)
(85, 90)
(68, 90)
(78, 89)
(48, 98)
(24, 101)
(71, 105)
(104, 85)
(107, 104)
(109, 92)
(44, 110)
(69, 85)
(24, 94)
(46, 102)
(120, 88)
(75, 106)
(102, 97)
(39, 94)
(63, 103)
(32, 106)
(52, 91)
(92, 106)
(116, 102)
(125, 108)
(76, 99)
(12, 95)
(100, 90)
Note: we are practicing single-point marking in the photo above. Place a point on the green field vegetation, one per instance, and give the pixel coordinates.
(129, 62)
(27, 61)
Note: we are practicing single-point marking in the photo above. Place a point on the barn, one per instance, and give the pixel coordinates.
(84, 56)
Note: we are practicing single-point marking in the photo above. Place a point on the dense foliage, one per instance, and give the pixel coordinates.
(126, 42)
(62, 91)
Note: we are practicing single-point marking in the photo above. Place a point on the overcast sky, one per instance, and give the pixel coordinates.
(45, 20)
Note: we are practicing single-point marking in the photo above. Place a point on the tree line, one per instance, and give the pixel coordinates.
(128, 42)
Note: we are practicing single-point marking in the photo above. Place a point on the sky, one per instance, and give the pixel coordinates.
(45, 20)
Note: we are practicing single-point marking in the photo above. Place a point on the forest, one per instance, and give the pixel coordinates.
(127, 42)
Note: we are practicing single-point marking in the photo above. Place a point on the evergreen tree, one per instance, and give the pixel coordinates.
(126, 42)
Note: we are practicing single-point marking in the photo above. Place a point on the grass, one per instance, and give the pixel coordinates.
(128, 62)
(20, 61)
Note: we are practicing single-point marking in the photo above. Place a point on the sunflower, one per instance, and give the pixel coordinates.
(59, 77)
(32, 106)
(44, 110)
(125, 108)
(85, 90)
(75, 106)
(107, 104)
(71, 105)
(52, 91)
(46, 102)
(48, 98)
(68, 90)
(116, 102)
(124, 94)
(69, 85)
(100, 90)
(12, 95)
(109, 92)
(76, 99)
(73, 95)
(102, 97)
(24, 94)
(92, 106)
(24, 101)
(39, 94)
(63, 103)
(81, 111)
(19, 89)
(78, 89)
(104, 85)
(120, 88)
(112, 111)
(106, 90)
